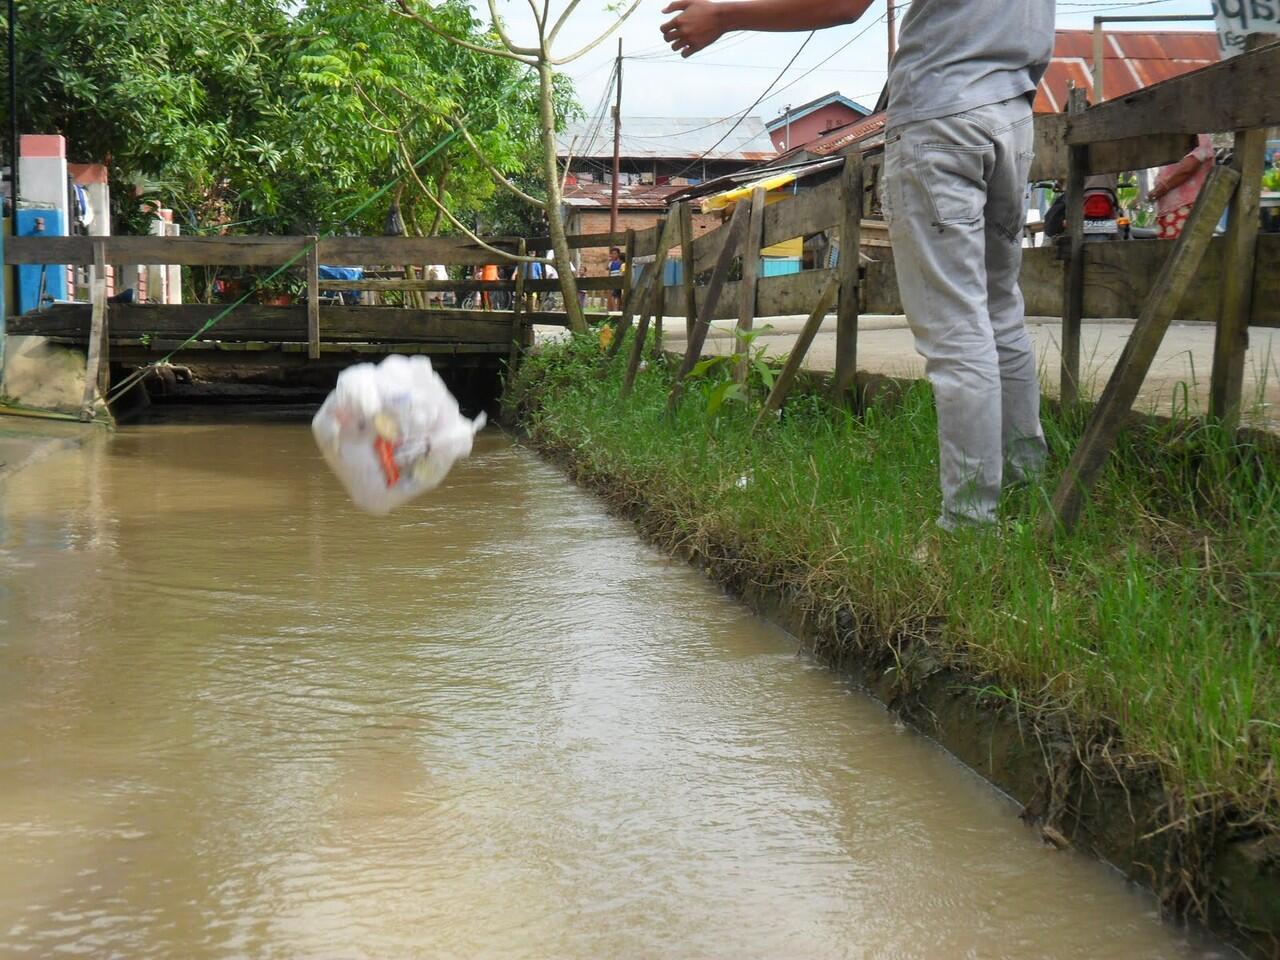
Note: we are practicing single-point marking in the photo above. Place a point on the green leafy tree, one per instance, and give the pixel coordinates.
(543, 57)
(181, 99)
(392, 92)
(236, 112)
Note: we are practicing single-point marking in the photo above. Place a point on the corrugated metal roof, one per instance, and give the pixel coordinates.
(630, 197)
(867, 129)
(675, 138)
(1131, 60)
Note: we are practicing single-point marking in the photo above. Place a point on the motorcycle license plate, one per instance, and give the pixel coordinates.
(1100, 226)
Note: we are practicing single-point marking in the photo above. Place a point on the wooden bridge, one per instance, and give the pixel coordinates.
(313, 329)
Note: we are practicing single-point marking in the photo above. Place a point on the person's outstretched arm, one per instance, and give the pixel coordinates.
(700, 23)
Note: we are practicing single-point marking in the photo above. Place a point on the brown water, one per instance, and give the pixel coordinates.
(239, 719)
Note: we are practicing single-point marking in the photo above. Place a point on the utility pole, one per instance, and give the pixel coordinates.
(892, 18)
(617, 144)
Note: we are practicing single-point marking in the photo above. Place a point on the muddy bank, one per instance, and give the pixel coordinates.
(1075, 786)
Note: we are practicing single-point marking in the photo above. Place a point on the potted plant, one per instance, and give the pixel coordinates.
(278, 291)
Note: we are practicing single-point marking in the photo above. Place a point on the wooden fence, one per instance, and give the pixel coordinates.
(1232, 281)
(127, 333)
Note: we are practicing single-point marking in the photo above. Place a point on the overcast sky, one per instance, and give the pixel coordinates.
(728, 76)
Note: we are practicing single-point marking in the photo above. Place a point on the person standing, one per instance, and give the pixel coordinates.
(616, 262)
(1178, 185)
(958, 151)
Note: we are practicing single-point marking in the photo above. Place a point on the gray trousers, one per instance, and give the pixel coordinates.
(955, 198)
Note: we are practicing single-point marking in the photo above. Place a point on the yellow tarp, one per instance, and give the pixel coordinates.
(788, 248)
(721, 200)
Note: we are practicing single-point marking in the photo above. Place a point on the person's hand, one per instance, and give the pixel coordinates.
(1158, 191)
(695, 26)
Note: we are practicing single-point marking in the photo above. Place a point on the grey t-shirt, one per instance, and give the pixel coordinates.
(956, 55)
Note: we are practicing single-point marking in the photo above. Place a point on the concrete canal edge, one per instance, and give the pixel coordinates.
(1075, 789)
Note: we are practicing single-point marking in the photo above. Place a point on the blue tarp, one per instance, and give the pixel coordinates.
(348, 297)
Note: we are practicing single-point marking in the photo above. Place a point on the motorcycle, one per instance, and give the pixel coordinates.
(1103, 217)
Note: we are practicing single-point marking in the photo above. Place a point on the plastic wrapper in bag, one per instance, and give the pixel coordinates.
(392, 431)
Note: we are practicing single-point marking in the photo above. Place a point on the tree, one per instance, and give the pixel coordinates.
(177, 97)
(544, 60)
(389, 93)
(234, 112)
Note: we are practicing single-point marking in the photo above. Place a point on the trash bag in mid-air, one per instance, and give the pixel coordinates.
(392, 431)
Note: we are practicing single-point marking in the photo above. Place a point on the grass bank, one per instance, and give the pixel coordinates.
(1146, 640)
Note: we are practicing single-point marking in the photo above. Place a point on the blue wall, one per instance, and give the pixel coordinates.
(30, 274)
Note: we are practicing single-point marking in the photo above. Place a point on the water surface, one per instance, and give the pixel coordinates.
(239, 719)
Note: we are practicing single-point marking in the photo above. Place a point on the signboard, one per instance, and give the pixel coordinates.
(1239, 18)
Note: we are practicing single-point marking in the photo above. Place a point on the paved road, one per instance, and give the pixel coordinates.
(885, 346)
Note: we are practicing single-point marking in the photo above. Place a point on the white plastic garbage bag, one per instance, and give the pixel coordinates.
(392, 431)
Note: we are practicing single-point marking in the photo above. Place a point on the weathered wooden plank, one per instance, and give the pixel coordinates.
(313, 299)
(1112, 156)
(462, 286)
(800, 349)
(184, 250)
(578, 241)
(656, 298)
(1135, 361)
(809, 211)
(1236, 94)
(688, 286)
(880, 292)
(97, 346)
(256, 322)
(1073, 271)
(1231, 338)
(628, 271)
(850, 209)
(788, 295)
(1118, 277)
(364, 251)
(747, 285)
(647, 242)
(517, 306)
(730, 248)
(648, 301)
(252, 251)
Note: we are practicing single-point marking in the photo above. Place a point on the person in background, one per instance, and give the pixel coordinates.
(616, 262)
(436, 271)
(488, 272)
(959, 141)
(1177, 186)
(532, 271)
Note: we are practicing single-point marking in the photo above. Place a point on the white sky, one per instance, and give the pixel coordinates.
(728, 76)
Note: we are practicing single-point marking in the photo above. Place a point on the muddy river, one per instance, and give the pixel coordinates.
(239, 719)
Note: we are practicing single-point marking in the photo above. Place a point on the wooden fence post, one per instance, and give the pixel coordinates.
(750, 283)
(517, 310)
(96, 361)
(313, 298)
(686, 270)
(628, 280)
(1126, 380)
(732, 242)
(651, 286)
(1231, 337)
(659, 295)
(1073, 270)
(850, 274)
(791, 369)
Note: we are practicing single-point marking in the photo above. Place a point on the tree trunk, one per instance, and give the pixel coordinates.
(555, 222)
